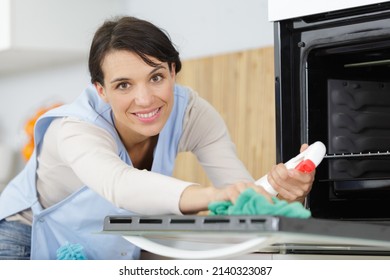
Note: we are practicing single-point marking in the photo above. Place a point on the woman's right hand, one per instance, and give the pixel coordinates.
(232, 192)
(196, 198)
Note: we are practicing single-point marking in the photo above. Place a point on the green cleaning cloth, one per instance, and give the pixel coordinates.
(250, 202)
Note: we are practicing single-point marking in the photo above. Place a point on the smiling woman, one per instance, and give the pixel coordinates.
(140, 94)
(113, 150)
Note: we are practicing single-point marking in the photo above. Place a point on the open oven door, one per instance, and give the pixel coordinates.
(222, 237)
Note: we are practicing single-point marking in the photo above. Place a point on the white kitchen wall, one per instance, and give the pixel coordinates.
(198, 27)
(208, 27)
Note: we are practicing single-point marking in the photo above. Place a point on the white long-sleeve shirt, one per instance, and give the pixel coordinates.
(75, 153)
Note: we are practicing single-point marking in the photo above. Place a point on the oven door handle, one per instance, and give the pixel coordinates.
(230, 251)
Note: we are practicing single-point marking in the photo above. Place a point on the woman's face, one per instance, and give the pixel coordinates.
(140, 95)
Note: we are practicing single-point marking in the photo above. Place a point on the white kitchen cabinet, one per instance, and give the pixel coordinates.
(41, 33)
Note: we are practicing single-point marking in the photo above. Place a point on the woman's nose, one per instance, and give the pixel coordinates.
(143, 96)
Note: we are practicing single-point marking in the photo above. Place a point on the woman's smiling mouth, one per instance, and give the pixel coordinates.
(148, 117)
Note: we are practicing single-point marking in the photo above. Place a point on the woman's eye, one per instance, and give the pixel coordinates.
(156, 78)
(123, 86)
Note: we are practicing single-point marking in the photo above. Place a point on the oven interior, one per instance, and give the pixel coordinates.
(343, 86)
(351, 86)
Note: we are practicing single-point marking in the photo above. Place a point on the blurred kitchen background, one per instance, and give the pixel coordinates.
(226, 46)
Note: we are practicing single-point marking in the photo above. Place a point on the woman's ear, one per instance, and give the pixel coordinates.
(173, 71)
(101, 91)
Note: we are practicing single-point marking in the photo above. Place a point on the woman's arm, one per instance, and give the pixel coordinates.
(206, 135)
(92, 155)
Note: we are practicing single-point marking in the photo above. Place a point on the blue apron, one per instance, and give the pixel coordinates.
(79, 217)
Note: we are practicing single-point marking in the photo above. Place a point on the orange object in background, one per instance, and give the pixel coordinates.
(28, 148)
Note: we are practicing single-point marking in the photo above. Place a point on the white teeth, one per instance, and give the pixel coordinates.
(148, 115)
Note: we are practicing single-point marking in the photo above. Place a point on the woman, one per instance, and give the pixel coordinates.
(112, 151)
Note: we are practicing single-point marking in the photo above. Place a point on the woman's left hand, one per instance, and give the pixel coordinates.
(291, 184)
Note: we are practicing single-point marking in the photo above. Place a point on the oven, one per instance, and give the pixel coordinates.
(332, 77)
(332, 84)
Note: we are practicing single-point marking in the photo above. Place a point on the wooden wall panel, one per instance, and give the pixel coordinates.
(241, 87)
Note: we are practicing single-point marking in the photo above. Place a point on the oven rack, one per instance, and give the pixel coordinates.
(357, 155)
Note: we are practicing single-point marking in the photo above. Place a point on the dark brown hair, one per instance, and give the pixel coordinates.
(135, 35)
